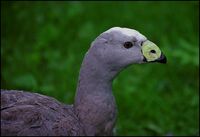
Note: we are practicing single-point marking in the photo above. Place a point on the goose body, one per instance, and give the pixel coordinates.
(24, 113)
(94, 111)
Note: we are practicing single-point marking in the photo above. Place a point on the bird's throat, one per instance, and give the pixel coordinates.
(94, 102)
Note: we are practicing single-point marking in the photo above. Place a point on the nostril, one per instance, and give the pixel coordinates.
(153, 51)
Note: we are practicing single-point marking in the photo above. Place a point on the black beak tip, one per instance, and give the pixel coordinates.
(162, 59)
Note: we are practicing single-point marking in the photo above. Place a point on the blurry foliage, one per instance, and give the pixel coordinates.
(43, 44)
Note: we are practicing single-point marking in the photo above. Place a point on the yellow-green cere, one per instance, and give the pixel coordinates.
(147, 47)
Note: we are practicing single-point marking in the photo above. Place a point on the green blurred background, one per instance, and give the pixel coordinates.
(43, 44)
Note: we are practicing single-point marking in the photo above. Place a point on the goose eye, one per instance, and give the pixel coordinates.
(128, 45)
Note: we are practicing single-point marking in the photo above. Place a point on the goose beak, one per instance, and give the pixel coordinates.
(162, 59)
(152, 53)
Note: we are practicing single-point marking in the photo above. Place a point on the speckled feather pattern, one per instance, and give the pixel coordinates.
(24, 113)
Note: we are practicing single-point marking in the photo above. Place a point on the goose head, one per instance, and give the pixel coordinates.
(119, 47)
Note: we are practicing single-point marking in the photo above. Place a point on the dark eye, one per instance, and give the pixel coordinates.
(128, 45)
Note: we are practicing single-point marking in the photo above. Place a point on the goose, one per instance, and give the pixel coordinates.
(94, 111)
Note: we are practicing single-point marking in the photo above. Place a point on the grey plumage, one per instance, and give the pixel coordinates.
(94, 111)
(24, 113)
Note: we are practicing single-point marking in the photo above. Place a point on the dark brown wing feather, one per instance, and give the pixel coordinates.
(32, 114)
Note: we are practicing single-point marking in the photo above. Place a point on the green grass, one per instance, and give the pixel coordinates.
(43, 44)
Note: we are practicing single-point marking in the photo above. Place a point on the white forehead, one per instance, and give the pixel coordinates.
(127, 32)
